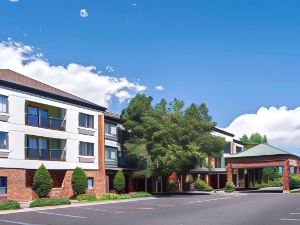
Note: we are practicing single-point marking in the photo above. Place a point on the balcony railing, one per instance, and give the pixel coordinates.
(45, 122)
(45, 154)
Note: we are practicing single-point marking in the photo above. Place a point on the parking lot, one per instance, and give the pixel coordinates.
(218, 209)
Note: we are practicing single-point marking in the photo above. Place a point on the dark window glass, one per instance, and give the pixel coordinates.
(3, 140)
(3, 185)
(86, 120)
(3, 104)
(86, 149)
(44, 118)
(32, 116)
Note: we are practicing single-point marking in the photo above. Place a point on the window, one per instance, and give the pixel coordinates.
(3, 104)
(111, 155)
(3, 185)
(111, 129)
(86, 149)
(37, 117)
(90, 183)
(86, 120)
(238, 149)
(3, 140)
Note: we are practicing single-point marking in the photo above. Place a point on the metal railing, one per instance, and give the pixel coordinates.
(45, 122)
(45, 154)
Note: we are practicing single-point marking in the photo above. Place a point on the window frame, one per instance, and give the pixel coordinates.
(6, 99)
(5, 187)
(86, 151)
(108, 127)
(5, 145)
(89, 120)
(92, 180)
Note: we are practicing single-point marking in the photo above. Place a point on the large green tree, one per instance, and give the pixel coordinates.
(167, 138)
(254, 139)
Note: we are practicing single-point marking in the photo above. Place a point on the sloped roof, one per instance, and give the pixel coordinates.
(260, 150)
(18, 81)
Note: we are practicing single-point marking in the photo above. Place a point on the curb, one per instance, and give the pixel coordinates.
(72, 205)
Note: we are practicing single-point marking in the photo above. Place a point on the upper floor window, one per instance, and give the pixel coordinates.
(3, 140)
(86, 120)
(111, 129)
(238, 149)
(3, 104)
(86, 149)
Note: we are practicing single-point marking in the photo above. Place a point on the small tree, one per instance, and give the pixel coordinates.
(119, 181)
(42, 182)
(79, 181)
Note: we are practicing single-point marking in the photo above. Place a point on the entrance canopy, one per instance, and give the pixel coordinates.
(261, 156)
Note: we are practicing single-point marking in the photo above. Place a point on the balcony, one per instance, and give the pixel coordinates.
(45, 116)
(41, 148)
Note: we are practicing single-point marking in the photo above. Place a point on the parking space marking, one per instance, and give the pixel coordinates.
(290, 219)
(207, 200)
(104, 210)
(57, 214)
(145, 208)
(166, 205)
(16, 222)
(294, 213)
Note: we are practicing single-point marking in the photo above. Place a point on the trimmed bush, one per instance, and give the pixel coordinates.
(139, 194)
(88, 198)
(79, 181)
(42, 182)
(119, 181)
(201, 185)
(274, 183)
(113, 196)
(49, 202)
(109, 196)
(294, 182)
(9, 205)
(229, 187)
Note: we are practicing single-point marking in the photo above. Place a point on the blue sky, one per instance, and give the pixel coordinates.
(236, 56)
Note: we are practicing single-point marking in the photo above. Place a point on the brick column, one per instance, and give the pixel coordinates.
(229, 172)
(286, 173)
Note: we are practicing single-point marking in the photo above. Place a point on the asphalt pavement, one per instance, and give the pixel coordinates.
(217, 209)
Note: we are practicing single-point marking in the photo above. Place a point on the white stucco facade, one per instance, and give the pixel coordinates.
(14, 123)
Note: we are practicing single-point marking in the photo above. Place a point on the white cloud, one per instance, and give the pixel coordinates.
(83, 81)
(159, 88)
(83, 13)
(281, 125)
(13, 0)
(133, 4)
(110, 69)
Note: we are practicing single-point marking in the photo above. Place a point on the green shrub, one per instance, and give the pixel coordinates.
(79, 181)
(294, 182)
(119, 181)
(42, 182)
(274, 183)
(229, 187)
(201, 185)
(10, 204)
(139, 195)
(88, 198)
(49, 202)
(173, 186)
(109, 196)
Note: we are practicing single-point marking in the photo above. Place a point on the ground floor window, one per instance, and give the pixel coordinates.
(90, 183)
(3, 185)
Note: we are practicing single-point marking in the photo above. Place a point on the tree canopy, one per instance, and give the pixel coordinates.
(167, 138)
(254, 139)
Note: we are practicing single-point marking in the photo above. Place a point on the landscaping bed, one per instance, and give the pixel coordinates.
(111, 196)
(49, 202)
(9, 205)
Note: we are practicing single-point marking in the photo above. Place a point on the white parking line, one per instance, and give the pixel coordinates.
(290, 219)
(16, 222)
(145, 208)
(104, 210)
(208, 200)
(294, 213)
(166, 205)
(57, 214)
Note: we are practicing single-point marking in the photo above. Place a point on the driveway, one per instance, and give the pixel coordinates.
(218, 209)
